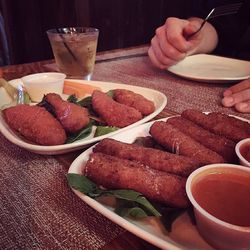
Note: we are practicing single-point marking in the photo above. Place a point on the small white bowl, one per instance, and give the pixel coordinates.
(238, 149)
(219, 234)
(40, 84)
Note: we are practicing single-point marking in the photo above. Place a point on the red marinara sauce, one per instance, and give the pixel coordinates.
(245, 151)
(225, 195)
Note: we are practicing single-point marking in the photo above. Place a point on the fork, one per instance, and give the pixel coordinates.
(223, 10)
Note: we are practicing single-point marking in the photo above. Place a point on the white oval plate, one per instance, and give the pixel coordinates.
(184, 234)
(210, 68)
(159, 99)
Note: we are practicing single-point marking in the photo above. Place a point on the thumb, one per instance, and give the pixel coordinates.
(191, 28)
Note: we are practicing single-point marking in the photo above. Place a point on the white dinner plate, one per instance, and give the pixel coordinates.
(159, 99)
(210, 68)
(184, 234)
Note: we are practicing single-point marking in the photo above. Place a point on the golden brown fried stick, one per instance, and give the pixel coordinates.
(223, 128)
(154, 158)
(232, 120)
(177, 142)
(35, 124)
(72, 117)
(112, 112)
(147, 142)
(134, 100)
(112, 172)
(219, 144)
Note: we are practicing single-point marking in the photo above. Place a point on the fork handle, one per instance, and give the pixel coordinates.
(191, 35)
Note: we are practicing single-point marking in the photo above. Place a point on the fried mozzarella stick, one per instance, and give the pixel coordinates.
(115, 173)
(232, 120)
(217, 126)
(219, 144)
(177, 142)
(112, 112)
(134, 100)
(154, 158)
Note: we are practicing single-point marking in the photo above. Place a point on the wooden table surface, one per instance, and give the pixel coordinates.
(132, 66)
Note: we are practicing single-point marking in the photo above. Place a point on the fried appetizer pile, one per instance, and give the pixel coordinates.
(112, 112)
(36, 124)
(161, 175)
(154, 158)
(219, 124)
(207, 138)
(113, 172)
(219, 144)
(59, 118)
(178, 142)
(72, 117)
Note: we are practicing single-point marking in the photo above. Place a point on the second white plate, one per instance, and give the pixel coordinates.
(210, 68)
(184, 234)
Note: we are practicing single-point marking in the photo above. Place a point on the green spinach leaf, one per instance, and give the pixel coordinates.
(129, 202)
(103, 130)
(81, 134)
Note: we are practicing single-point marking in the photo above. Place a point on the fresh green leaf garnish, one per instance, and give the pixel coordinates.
(110, 93)
(86, 102)
(72, 99)
(103, 130)
(129, 202)
(81, 183)
(81, 134)
(129, 209)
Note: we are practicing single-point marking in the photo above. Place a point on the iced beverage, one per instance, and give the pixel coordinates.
(74, 50)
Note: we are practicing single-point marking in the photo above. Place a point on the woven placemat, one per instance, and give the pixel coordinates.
(39, 211)
(181, 93)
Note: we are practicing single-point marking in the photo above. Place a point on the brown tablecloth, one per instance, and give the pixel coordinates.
(181, 93)
(38, 210)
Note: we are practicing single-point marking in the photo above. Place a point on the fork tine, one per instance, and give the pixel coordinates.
(219, 11)
(226, 9)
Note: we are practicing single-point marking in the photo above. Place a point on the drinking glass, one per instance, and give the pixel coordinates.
(74, 49)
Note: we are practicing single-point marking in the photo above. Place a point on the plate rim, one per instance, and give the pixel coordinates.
(105, 211)
(173, 70)
(161, 243)
(64, 148)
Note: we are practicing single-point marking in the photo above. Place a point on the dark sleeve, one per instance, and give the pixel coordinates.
(233, 30)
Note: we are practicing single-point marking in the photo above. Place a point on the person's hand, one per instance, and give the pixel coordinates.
(171, 43)
(238, 96)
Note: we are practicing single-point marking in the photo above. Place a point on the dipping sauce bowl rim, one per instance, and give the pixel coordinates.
(203, 211)
(34, 77)
(237, 150)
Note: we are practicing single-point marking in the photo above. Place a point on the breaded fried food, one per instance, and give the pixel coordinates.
(35, 124)
(232, 120)
(134, 100)
(72, 117)
(219, 144)
(112, 112)
(154, 158)
(147, 142)
(177, 142)
(112, 172)
(215, 125)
